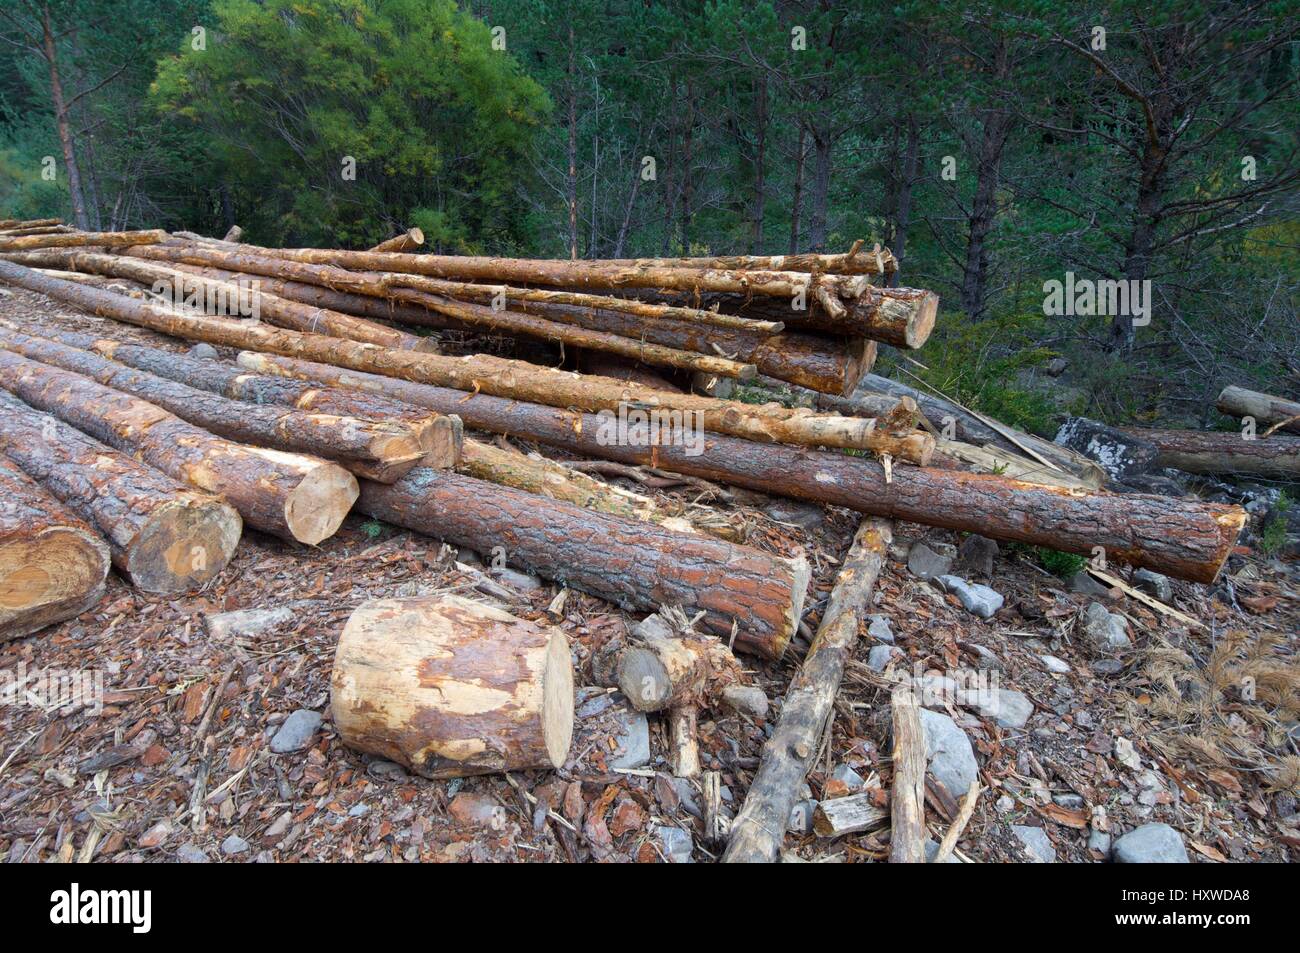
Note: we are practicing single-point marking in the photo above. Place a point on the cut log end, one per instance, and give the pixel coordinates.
(557, 700)
(316, 507)
(49, 577)
(184, 545)
(922, 323)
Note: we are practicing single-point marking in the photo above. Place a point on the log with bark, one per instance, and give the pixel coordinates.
(666, 669)
(1265, 408)
(450, 688)
(484, 373)
(907, 799)
(378, 450)
(164, 537)
(409, 240)
(1187, 539)
(298, 498)
(759, 829)
(81, 239)
(52, 563)
(1198, 451)
(631, 563)
(876, 261)
(29, 223)
(438, 437)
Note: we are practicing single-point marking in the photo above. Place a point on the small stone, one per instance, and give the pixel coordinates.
(1010, 709)
(880, 629)
(676, 844)
(1036, 842)
(975, 598)
(1083, 582)
(1104, 630)
(519, 581)
(948, 753)
(155, 835)
(1154, 584)
(975, 556)
(1099, 841)
(1127, 755)
(924, 563)
(1005, 804)
(846, 776)
(932, 850)
(234, 844)
(879, 657)
(203, 351)
(473, 809)
(801, 817)
(633, 741)
(190, 854)
(1054, 664)
(1151, 844)
(296, 732)
(1106, 667)
(1073, 801)
(747, 699)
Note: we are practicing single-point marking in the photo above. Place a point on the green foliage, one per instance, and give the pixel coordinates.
(373, 529)
(1058, 563)
(1274, 534)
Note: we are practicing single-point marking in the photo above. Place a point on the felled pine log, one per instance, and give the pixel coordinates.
(76, 239)
(856, 261)
(409, 240)
(1187, 539)
(665, 670)
(631, 563)
(449, 688)
(438, 437)
(483, 373)
(240, 297)
(759, 828)
(907, 798)
(1265, 408)
(29, 223)
(378, 450)
(298, 498)
(52, 563)
(164, 536)
(1200, 451)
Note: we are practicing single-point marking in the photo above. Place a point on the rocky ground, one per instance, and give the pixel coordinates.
(1098, 727)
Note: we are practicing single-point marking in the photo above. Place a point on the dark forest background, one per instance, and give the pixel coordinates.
(993, 146)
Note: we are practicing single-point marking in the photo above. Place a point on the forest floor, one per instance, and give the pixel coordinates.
(1162, 732)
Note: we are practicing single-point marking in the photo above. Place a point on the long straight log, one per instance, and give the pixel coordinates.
(1198, 451)
(438, 437)
(378, 450)
(634, 564)
(29, 223)
(240, 297)
(1183, 538)
(409, 240)
(857, 262)
(1265, 408)
(759, 829)
(907, 799)
(164, 536)
(52, 564)
(298, 498)
(483, 373)
(76, 239)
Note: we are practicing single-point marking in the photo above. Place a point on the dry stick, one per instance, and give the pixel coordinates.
(74, 239)
(959, 823)
(907, 815)
(506, 378)
(759, 828)
(1184, 538)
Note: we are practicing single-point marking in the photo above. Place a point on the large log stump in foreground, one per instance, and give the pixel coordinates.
(298, 498)
(637, 565)
(449, 687)
(164, 536)
(52, 564)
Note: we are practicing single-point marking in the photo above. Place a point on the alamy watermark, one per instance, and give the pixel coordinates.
(637, 426)
(238, 298)
(1084, 297)
(50, 689)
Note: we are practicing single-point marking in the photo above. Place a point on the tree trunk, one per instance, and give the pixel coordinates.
(759, 828)
(637, 565)
(1196, 451)
(78, 239)
(983, 214)
(377, 450)
(821, 187)
(409, 240)
(52, 564)
(298, 498)
(571, 182)
(796, 201)
(907, 800)
(451, 688)
(1183, 538)
(1265, 408)
(164, 537)
(760, 165)
(61, 121)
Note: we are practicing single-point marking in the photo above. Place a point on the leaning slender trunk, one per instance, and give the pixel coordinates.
(64, 127)
(821, 187)
(572, 183)
(760, 170)
(974, 286)
(1137, 250)
(797, 202)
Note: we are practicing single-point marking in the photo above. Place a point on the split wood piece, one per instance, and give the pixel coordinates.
(992, 459)
(379, 450)
(853, 814)
(451, 688)
(663, 671)
(759, 828)
(1184, 538)
(410, 239)
(857, 262)
(684, 742)
(246, 623)
(620, 368)
(164, 537)
(438, 437)
(907, 799)
(484, 373)
(298, 498)
(240, 296)
(52, 564)
(1265, 408)
(74, 239)
(1197, 451)
(639, 566)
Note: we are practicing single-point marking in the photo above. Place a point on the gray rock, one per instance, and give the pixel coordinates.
(1119, 454)
(880, 629)
(234, 844)
(975, 556)
(987, 657)
(801, 817)
(924, 563)
(1056, 366)
(975, 598)
(1083, 583)
(1151, 844)
(676, 843)
(686, 795)
(1037, 844)
(1153, 584)
(1005, 804)
(190, 854)
(633, 741)
(1073, 801)
(879, 656)
(932, 848)
(1008, 708)
(203, 351)
(1054, 664)
(807, 516)
(296, 732)
(1106, 667)
(1104, 630)
(1099, 841)
(848, 777)
(747, 699)
(519, 581)
(948, 753)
